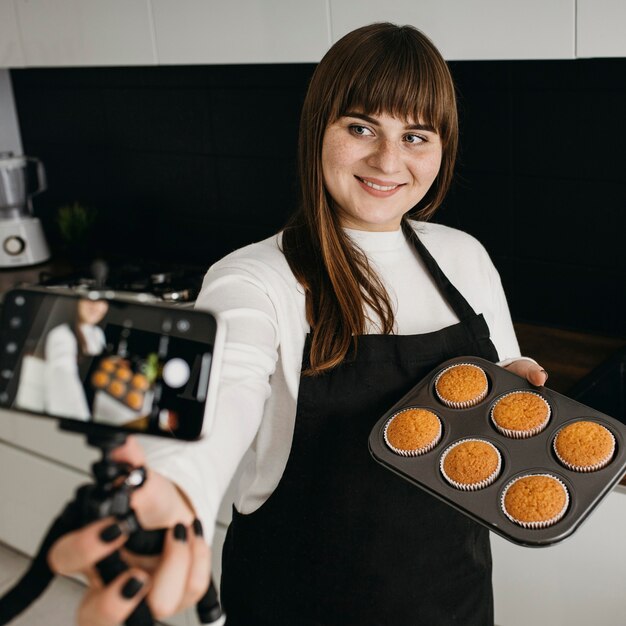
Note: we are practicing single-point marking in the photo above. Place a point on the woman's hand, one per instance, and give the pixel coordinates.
(170, 582)
(532, 372)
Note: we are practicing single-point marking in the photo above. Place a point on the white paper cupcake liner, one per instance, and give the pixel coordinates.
(415, 451)
(585, 468)
(471, 486)
(537, 524)
(520, 434)
(467, 403)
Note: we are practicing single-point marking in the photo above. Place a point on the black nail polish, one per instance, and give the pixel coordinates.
(131, 588)
(110, 533)
(180, 532)
(197, 528)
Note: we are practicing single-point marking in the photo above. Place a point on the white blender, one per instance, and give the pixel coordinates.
(22, 241)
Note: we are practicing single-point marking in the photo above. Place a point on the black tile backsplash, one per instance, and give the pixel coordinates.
(187, 163)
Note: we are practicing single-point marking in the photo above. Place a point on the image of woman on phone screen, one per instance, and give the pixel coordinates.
(328, 324)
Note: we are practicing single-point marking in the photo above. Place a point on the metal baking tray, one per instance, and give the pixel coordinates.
(519, 456)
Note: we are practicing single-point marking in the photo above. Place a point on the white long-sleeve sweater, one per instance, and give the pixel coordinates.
(263, 307)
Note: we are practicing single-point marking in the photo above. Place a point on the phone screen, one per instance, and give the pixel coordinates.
(124, 365)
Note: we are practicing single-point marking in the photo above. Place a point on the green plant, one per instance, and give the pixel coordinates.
(75, 222)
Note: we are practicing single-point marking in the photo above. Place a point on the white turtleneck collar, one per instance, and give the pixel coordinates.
(376, 241)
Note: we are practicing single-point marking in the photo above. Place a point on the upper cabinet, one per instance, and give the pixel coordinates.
(147, 32)
(473, 30)
(601, 28)
(241, 31)
(11, 54)
(86, 32)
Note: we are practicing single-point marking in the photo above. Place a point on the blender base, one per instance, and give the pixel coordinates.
(22, 242)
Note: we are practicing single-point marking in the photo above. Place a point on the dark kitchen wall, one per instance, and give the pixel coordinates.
(187, 163)
(182, 163)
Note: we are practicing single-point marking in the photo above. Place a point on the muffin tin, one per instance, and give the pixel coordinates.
(533, 455)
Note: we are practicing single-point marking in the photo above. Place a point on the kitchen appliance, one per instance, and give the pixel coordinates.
(22, 240)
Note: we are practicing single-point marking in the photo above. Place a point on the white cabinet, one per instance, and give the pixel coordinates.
(33, 491)
(578, 582)
(146, 32)
(475, 30)
(601, 28)
(86, 32)
(240, 31)
(11, 54)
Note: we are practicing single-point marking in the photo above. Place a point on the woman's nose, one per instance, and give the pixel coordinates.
(385, 156)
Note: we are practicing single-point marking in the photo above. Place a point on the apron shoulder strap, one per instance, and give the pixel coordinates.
(449, 292)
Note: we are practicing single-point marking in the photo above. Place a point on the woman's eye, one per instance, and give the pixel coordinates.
(356, 129)
(415, 139)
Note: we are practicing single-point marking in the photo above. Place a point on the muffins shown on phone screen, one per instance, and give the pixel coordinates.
(413, 431)
(584, 446)
(462, 386)
(520, 414)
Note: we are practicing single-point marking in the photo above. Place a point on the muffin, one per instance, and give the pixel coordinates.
(412, 432)
(584, 446)
(117, 389)
(461, 386)
(535, 501)
(100, 379)
(520, 414)
(139, 381)
(108, 364)
(135, 399)
(123, 373)
(471, 464)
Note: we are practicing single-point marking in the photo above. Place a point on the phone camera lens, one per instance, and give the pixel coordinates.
(11, 347)
(6, 374)
(183, 326)
(19, 300)
(15, 322)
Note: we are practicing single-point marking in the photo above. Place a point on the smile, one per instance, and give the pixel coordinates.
(372, 185)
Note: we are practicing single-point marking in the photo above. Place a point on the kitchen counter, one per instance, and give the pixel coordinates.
(12, 277)
(568, 356)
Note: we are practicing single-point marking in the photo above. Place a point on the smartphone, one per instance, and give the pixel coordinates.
(109, 363)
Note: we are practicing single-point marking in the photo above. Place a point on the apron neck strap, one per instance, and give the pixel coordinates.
(449, 292)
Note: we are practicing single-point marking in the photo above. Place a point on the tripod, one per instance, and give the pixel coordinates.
(108, 495)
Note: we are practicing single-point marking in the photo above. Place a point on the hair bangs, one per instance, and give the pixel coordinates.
(392, 77)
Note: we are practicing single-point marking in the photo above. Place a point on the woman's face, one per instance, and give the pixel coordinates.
(91, 311)
(376, 168)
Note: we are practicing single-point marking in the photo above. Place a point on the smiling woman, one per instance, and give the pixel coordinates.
(329, 323)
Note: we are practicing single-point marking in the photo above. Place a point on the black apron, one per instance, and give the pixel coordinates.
(343, 541)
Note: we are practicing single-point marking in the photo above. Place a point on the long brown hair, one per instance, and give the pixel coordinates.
(380, 68)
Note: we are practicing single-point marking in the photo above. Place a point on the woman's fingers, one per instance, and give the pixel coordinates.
(111, 605)
(532, 372)
(537, 376)
(169, 581)
(81, 549)
(200, 568)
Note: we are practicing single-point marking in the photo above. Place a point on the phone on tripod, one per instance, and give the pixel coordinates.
(97, 363)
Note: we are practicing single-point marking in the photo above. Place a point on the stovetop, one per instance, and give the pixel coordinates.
(146, 281)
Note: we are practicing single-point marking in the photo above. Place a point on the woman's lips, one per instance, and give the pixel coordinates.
(379, 188)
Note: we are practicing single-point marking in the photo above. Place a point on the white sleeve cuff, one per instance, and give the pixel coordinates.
(507, 362)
